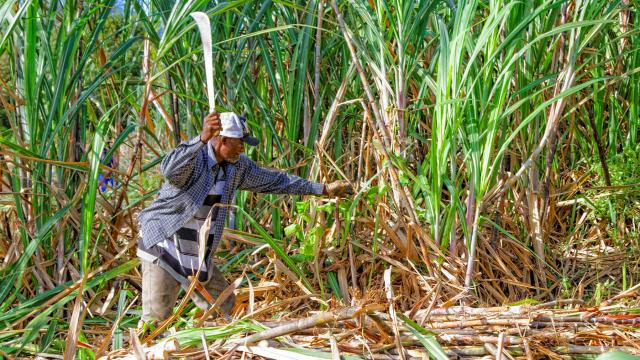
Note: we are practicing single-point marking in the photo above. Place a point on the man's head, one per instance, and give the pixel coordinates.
(229, 145)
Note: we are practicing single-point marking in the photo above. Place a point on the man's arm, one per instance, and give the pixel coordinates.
(263, 180)
(178, 165)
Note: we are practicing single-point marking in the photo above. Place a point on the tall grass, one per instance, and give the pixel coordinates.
(488, 140)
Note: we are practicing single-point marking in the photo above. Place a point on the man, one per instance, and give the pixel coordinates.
(202, 175)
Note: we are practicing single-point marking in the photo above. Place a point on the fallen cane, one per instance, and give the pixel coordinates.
(202, 290)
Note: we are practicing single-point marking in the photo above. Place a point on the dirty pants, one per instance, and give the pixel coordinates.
(160, 292)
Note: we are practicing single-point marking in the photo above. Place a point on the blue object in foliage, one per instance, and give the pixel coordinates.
(103, 180)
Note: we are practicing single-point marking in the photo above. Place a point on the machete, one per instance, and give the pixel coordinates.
(204, 26)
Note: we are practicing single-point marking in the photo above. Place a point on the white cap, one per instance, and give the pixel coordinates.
(234, 126)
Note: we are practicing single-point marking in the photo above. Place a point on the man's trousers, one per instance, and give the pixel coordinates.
(160, 292)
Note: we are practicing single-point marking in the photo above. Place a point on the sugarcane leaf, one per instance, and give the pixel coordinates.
(426, 338)
(11, 277)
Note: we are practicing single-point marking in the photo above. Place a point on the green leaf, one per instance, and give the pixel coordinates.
(426, 338)
(293, 229)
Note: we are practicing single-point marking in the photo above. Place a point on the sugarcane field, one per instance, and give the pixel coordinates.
(320, 179)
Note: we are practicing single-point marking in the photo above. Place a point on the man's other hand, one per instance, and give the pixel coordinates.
(338, 188)
(211, 127)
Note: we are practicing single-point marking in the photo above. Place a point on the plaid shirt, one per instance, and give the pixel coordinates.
(189, 170)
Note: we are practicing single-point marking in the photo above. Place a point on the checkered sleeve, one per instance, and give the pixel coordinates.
(178, 165)
(264, 180)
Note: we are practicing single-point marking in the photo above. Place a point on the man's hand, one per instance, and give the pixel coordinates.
(211, 127)
(338, 189)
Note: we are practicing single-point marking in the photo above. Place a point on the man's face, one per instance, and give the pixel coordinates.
(231, 149)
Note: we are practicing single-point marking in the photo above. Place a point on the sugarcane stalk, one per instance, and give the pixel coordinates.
(312, 321)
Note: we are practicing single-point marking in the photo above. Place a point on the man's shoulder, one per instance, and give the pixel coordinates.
(240, 166)
(244, 167)
(244, 161)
